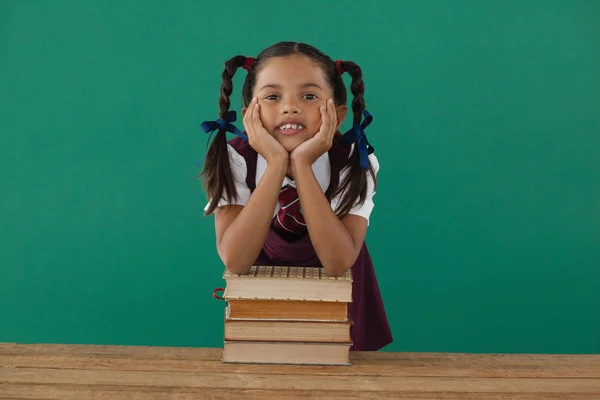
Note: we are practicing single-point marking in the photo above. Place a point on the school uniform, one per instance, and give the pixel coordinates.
(370, 330)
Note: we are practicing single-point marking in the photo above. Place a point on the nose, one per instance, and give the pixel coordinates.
(290, 107)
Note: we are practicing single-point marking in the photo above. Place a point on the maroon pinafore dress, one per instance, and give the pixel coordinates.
(370, 331)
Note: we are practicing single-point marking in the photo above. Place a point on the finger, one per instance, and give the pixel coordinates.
(254, 116)
(323, 126)
(248, 115)
(256, 123)
(333, 118)
(328, 118)
(329, 124)
(322, 134)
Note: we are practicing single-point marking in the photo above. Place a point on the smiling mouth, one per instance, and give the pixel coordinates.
(290, 129)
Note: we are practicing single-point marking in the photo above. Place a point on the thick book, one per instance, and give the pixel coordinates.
(287, 331)
(288, 310)
(288, 283)
(286, 353)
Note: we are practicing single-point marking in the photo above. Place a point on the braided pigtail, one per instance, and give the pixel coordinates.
(354, 185)
(217, 173)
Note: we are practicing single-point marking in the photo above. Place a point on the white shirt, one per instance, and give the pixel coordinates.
(322, 170)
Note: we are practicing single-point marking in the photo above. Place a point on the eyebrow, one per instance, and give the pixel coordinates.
(303, 86)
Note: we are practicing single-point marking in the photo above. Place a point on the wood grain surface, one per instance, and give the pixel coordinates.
(81, 372)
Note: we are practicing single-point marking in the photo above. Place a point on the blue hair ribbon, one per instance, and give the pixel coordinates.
(357, 134)
(226, 124)
(222, 123)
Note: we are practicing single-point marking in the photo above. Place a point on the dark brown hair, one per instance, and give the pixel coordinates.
(218, 177)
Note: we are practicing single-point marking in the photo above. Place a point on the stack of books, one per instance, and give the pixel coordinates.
(287, 315)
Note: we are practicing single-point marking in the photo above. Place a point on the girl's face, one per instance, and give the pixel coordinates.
(290, 90)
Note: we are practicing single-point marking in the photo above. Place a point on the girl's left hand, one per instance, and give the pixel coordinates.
(308, 152)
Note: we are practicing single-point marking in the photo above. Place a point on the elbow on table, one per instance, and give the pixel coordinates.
(238, 269)
(234, 265)
(339, 268)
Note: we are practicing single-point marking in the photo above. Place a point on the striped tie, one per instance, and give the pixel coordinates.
(289, 222)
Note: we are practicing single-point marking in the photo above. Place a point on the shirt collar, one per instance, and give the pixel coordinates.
(321, 168)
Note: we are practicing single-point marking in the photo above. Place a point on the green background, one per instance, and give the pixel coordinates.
(486, 230)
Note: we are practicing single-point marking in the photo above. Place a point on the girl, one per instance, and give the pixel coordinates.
(291, 189)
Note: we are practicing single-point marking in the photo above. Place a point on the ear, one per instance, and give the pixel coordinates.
(244, 111)
(341, 111)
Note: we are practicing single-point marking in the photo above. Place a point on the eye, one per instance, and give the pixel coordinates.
(311, 96)
(271, 97)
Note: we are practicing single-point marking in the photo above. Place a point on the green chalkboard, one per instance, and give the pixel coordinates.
(486, 229)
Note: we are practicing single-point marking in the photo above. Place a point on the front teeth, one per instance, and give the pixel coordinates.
(290, 126)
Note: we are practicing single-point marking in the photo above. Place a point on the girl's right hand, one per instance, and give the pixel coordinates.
(261, 140)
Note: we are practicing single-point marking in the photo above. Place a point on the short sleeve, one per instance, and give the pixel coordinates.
(238, 169)
(366, 208)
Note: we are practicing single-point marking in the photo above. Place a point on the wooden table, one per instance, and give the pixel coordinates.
(84, 372)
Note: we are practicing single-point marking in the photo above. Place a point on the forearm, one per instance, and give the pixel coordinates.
(242, 242)
(330, 238)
